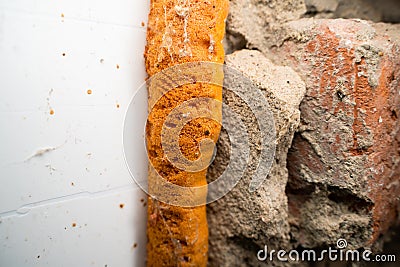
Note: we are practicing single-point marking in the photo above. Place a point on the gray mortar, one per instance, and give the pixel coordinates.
(242, 222)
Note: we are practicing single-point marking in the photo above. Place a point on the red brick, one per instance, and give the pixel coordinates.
(347, 152)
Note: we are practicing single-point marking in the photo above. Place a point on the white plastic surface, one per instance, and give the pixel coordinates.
(66, 195)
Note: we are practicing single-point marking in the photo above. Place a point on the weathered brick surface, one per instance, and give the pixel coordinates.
(344, 165)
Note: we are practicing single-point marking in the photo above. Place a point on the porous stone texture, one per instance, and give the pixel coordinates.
(242, 222)
(344, 164)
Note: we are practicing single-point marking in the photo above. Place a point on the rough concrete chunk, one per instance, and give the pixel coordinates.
(241, 223)
(344, 165)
